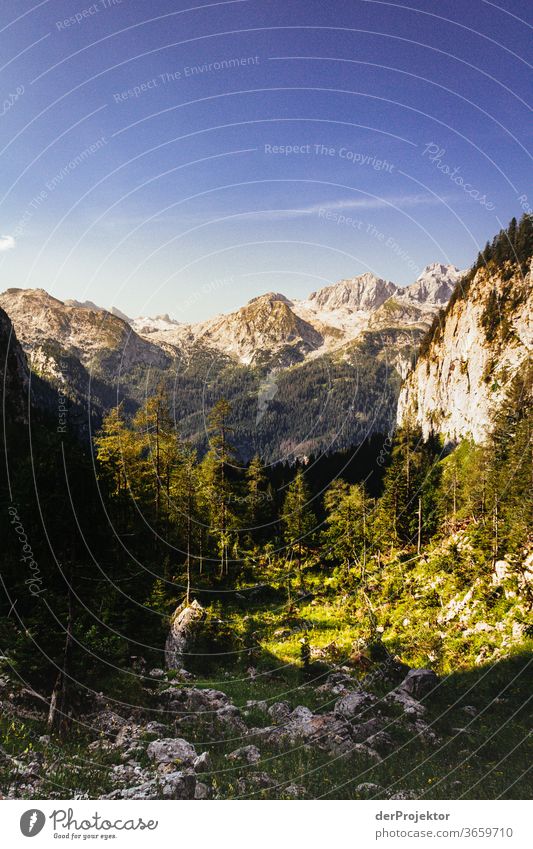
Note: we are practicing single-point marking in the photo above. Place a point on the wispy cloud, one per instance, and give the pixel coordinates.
(6, 243)
(348, 204)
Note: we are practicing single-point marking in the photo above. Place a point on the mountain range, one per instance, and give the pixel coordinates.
(302, 376)
(272, 325)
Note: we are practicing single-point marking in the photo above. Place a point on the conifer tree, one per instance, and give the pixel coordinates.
(298, 518)
(217, 491)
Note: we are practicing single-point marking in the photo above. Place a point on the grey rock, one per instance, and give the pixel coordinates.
(406, 794)
(279, 711)
(255, 781)
(425, 732)
(366, 751)
(381, 742)
(419, 683)
(362, 731)
(368, 790)
(295, 791)
(202, 791)
(157, 674)
(301, 714)
(409, 705)
(184, 627)
(255, 704)
(202, 763)
(147, 790)
(353, 704)
(107, 722)
(178, 785)
(246, 754)
(172, 750)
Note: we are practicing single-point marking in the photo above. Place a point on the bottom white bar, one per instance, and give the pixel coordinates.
(258, 824)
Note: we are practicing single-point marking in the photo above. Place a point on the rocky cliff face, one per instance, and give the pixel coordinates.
(14, 376)
(96, 337)
(484, 337)
(84, 351)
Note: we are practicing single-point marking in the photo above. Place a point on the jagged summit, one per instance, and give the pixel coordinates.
(270, 296)
(366, 292)
(434, 286)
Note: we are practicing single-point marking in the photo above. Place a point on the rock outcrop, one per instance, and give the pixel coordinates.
(461, 377)
(184, 627)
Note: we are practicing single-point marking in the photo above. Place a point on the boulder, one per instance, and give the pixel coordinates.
(157, 674)
(369, 790)
(255, 781)
(381, 742)
(129, 774)
(410, 706)
(300, 714)
(257, 704)
(419, 683)
(325, 731)
(336, 684)
(295, 791)
(184, 626)
(353, 704)
(202, 763)
(425, 733)
(202, 791)
(191, 700)
(246, 754)
(366, 751)
(363, 731)
(172, 750)
(107, 722)
(279, 711)
(178, 785)
(147, 790)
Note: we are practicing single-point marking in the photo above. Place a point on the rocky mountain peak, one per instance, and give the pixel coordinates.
(270, 296)
(366, 292)
(434, 286)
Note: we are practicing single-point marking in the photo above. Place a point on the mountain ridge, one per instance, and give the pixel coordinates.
(339, 366)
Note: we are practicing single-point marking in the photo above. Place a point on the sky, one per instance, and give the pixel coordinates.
(169, 157)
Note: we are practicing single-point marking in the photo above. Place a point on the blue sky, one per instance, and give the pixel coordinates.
(167, 157)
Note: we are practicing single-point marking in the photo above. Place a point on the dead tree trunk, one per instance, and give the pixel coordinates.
(58, 699)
